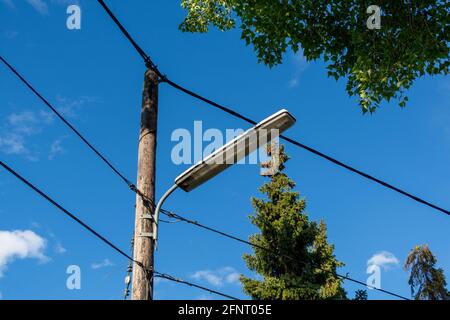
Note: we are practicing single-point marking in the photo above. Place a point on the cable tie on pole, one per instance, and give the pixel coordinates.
(132, 187)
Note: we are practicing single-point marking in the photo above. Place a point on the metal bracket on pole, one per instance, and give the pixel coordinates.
(147, 216)
(146, 235)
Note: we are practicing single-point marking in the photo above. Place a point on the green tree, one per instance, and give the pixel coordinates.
(427, 282)
(304, 265)
(378, 64)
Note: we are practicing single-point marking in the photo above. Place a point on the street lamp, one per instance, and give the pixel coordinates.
(229, 154)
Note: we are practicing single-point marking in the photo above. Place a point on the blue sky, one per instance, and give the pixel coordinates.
(95, 78)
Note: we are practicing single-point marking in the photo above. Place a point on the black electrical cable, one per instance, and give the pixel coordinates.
(66, 212)
(312, 150)
(131, 185)
(196, 223)
(149, 63)
(53, 109)
(171, 278)
(99, 236)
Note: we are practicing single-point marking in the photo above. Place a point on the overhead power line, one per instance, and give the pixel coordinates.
(128, 182)
(101, 237)
(67, 123)
(148, 61)
(365, 175)
(163, 78)
(272, 252)
(171, 215)
(115, 170)
(65, 211)
(171, 278)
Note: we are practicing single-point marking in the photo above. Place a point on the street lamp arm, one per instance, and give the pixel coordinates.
(158, 208)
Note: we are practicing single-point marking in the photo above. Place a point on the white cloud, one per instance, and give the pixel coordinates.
(70, 107)
(18, 127)
(12, 144)
(209, 276)
(29, 122)
(293, 82)
(383, 259)
(300, 64)
(39, 5)
(105, 263)
(22, 117)
(232, 277)
(56, 148)
(20, 244)
(60, 249)
(35, 225)
(219, 277)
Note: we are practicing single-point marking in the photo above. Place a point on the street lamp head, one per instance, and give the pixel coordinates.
(235, 150)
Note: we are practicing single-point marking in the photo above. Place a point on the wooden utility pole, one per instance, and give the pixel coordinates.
(143, 232)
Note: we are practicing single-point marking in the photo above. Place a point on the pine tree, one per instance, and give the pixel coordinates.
(360, 295)
(305, 265)
(426, 281)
